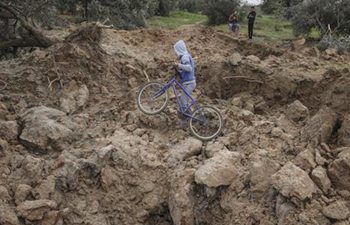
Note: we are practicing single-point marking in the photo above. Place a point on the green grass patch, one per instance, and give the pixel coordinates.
(176, 19)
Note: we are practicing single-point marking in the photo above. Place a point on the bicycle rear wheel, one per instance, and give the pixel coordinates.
(206, 123)
(152, 99)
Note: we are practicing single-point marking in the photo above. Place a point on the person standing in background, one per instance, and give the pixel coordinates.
(251, 19)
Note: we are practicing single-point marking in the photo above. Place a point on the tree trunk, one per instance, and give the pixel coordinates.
(33, 38)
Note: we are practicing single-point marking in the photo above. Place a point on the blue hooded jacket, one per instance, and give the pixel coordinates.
(186, 65)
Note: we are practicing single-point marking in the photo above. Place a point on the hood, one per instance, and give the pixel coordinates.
(180, 48)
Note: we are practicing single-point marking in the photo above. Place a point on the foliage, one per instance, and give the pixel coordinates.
(189, 5)
(218, 11)
(342, 44)
(321, 14)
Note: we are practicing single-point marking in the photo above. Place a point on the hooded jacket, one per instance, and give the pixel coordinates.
(186, 65)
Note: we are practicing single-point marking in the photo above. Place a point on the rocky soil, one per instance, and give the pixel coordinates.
(74, 149)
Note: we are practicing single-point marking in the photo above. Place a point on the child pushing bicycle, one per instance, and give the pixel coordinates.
(186, 71)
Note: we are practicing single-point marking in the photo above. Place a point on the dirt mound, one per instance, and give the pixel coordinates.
(74, 149)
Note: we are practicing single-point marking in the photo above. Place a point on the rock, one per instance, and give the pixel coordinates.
(344, 132)
(35, 210)
(305, 160)
(291, 181)
(320, 127)
(180, 203)
(319, 176)
(67, 172)
(3, 111)
(185, 149)
(9, 131)
(339, 170)
(7, 215)
(50, 218)
(337, 211)
(317, 52)
(277, 132)
(33, 167)
(319, 159)
(235, 59)
(74, 97)
(297, 111)
(21, 193)
(213, 148)
(46, 188)
(253, 58)
(47, 129)
(261, 168)
(108, 178)
(298, 43)
(4, 146)
(4, 194)
(220, 170)
(331, 51)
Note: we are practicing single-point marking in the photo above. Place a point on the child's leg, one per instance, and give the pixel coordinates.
(184, 99)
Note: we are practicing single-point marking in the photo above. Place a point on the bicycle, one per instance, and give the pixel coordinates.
(205, 122)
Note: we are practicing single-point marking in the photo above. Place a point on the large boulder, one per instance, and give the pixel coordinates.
(320, 127)
(47, 129)
(339, 170)
(296, 111)
(35, 210)
(74, 97)
(291, 181)
(344, 132)
(336, 211)
(220, 170)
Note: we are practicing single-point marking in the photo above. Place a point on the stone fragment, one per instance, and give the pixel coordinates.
(297, 112)
(235, 59)
(220, 170)
(261, 168)
(344, 132)
(21, 193)
(185, 149)
(4, 194)
(3, 111)
(50, 218)
(74, 97)
(319, 176)
(298, 43)
(35, 210)
(331, 51)
(291, 181)
(253, 58)
(305, 160)
(320, 127)
(47, 129)
(9, 131)
(7, 215)
(180, 203)
(339, 170)
(46, 188)
(336, 210)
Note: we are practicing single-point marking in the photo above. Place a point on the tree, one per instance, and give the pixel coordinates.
(218, 11)
(324, 15)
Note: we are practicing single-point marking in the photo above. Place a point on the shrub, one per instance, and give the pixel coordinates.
(342, 43)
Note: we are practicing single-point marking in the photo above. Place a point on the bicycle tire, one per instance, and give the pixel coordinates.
(197, 113)
(163, 95)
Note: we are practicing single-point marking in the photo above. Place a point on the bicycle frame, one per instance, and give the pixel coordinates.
(173, 83)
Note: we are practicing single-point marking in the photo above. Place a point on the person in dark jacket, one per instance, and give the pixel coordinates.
(251, 19)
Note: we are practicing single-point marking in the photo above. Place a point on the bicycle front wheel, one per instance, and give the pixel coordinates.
(206, 123)
(152, 99)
